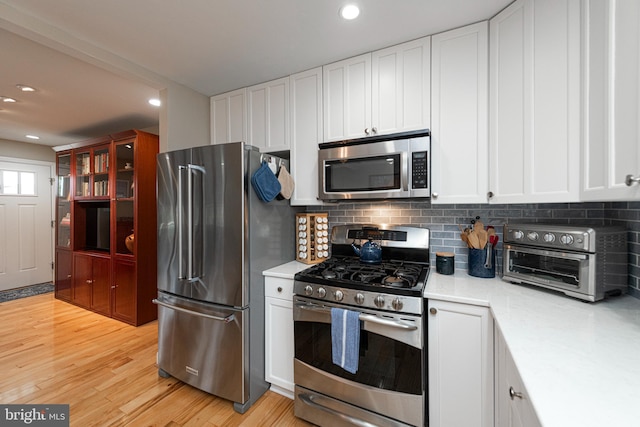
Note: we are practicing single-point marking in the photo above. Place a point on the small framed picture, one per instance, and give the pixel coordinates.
(122, 188)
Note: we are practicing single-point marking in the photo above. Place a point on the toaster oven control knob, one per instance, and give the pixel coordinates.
(379, 301)
(359, 298)
(566, 239)
(338, 295)
(308, 290)
(518, 235)
(532, 235)
(322, 292)
(396, 304)
(549, 237)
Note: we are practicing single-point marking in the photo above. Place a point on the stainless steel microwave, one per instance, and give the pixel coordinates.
(377, 167)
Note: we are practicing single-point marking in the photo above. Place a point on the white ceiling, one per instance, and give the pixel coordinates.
(95, 63)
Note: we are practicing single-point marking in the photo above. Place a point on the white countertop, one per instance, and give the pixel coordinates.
(580, 362)
(286, 271)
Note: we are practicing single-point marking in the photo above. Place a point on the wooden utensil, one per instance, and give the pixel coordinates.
(474, 241)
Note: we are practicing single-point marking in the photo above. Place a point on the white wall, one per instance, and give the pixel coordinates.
(24, 150)
(184, 118)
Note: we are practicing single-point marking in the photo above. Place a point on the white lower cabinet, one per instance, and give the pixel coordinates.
(513, 407)
(460, 363)
(278, 321)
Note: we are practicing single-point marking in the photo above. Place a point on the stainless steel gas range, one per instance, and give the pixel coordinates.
(388, 386)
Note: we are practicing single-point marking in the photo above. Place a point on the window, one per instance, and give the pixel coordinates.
(17, 183)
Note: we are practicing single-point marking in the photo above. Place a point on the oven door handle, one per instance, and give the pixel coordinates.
(363, 316)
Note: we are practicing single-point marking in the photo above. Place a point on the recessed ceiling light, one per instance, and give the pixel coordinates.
(350, 11)
(155, 102)
(25, 88)
(7, 99)
(32, 136)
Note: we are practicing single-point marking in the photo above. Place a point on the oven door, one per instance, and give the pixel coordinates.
(390, 379)
(570, 272)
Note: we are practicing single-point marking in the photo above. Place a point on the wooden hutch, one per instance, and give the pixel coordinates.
(105, 253)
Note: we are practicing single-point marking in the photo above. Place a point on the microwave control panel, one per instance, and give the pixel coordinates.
(419, 169)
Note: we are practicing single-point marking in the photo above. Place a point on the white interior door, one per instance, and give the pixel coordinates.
(26, 236)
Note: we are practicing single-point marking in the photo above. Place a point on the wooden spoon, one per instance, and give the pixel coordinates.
(474, 241)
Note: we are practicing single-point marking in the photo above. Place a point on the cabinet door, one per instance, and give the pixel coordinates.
(612, 150)
(347, 98)
(459, 134)
(229, 117)
(535, 102)
(400, 85)
(513, 407)
(124, 291)
(64, 268)
(101, 285)
(63, 200)
(306, 134)
(92, 172)
(268, 115)
(460, 361)
(279, 343)
(279, 349)
(82, 280)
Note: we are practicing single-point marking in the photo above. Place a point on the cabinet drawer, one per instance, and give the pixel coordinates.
(277, 287)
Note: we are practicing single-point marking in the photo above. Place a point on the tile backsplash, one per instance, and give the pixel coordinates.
(443, 222)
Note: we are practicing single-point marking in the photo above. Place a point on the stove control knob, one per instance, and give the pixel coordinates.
(338, 295)
(322, 292)
(359, 298)
(518, 234)
(379, 301)
(532, 235)
(308, 290)
(396, 304)
(566, 239)
(549, 237)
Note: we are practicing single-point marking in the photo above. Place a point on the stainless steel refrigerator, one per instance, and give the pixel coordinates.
(215, 237)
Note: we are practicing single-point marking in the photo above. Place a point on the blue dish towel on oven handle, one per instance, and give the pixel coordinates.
(345, 338)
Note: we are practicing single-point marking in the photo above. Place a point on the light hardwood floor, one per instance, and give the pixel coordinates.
(53, 352)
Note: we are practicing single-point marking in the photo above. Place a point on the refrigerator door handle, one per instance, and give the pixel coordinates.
(180, 218)
(229, 318)
(194, 272)
(191, 273)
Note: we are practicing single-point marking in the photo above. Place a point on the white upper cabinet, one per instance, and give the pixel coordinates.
(268, 115)
(347, 98)
(535, 102)
(383, 92)
(612, 94)
(229, 117)
(306, 134)
(459, 109)
(400, 82)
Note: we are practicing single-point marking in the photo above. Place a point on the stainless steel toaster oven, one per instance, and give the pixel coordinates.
(589, 263)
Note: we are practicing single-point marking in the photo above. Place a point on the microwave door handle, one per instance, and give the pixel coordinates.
(404, 172)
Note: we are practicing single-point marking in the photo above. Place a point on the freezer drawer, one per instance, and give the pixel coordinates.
(202, 345)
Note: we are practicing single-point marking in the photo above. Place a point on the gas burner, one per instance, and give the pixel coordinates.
(365, 276)
(397, 282)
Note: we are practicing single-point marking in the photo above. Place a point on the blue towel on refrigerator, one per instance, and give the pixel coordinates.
(265, 183)
(345, 339)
